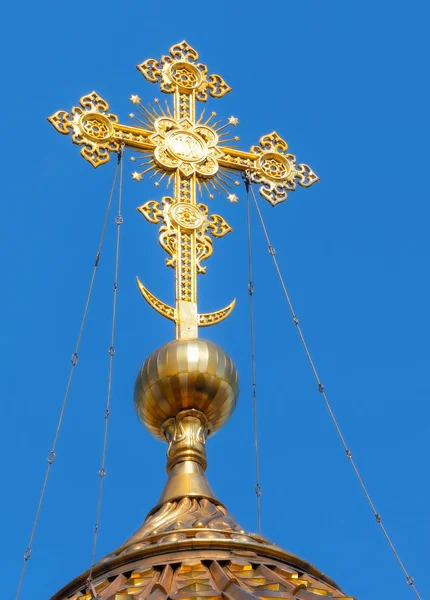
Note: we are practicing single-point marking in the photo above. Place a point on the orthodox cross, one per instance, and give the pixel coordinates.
(195, 155)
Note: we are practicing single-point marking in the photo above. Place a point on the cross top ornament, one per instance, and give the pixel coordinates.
(195, 154)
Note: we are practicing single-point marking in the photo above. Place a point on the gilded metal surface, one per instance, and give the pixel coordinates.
(186, 435)
(277, 170)
(187, 479)
(235, 574)
(215, 317)
(180, 72)
(193, 153)
(199, 515)
(186, 374)
(184, 236)
(91, 126)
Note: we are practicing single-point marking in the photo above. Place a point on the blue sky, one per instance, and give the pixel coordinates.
(346, 84)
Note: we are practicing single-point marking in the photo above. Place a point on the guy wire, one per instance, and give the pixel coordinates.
(378, 518)
(74, 361)
(111, 350)
(254, 383)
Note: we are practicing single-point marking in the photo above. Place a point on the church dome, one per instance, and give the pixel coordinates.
(192, 548)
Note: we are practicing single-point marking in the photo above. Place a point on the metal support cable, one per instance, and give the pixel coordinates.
(74, 361)
(272, 252)
(254, 383)
(102, 471)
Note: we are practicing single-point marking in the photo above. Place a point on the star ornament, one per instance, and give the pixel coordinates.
(233, 121)
(135, 99)
(232, 198)
(137, 176)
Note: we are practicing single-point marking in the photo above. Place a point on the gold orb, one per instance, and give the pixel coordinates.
(185, 374)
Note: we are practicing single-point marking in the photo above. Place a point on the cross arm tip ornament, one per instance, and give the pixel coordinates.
(271, 165)
(91, 126)
(179, 70)
(99, 131)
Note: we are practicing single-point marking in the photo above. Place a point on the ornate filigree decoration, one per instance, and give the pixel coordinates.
(181, 71)
(185, 234)
(191, 148)
(181, 217)
(187, 513)
(157, 213)
(194, 154)
(204, 573)
(186, 436)
(187, 216)
(277, 170)
(91, 126)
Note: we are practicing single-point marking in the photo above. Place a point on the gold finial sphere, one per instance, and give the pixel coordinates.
(186, 374)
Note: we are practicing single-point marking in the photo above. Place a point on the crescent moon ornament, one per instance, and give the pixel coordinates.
(163, 309)
(201, 320)
(207, 319)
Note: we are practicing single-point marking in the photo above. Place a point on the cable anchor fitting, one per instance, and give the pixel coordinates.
(92, 590)
(321, 388)
(378, 518)
(271, 250)
(258, 490)
(51, 457)
(247, 179)
(121, 152)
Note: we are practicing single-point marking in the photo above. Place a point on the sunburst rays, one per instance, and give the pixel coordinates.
(222, 181)
(145, 163)
(146, 116)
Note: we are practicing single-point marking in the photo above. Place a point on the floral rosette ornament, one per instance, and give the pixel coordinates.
(91, 126)
(277, 170)
(180, 70)
(185, 146)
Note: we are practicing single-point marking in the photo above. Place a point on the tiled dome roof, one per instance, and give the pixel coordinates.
(192, 548)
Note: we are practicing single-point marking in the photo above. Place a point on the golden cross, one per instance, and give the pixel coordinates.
(194, 154)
